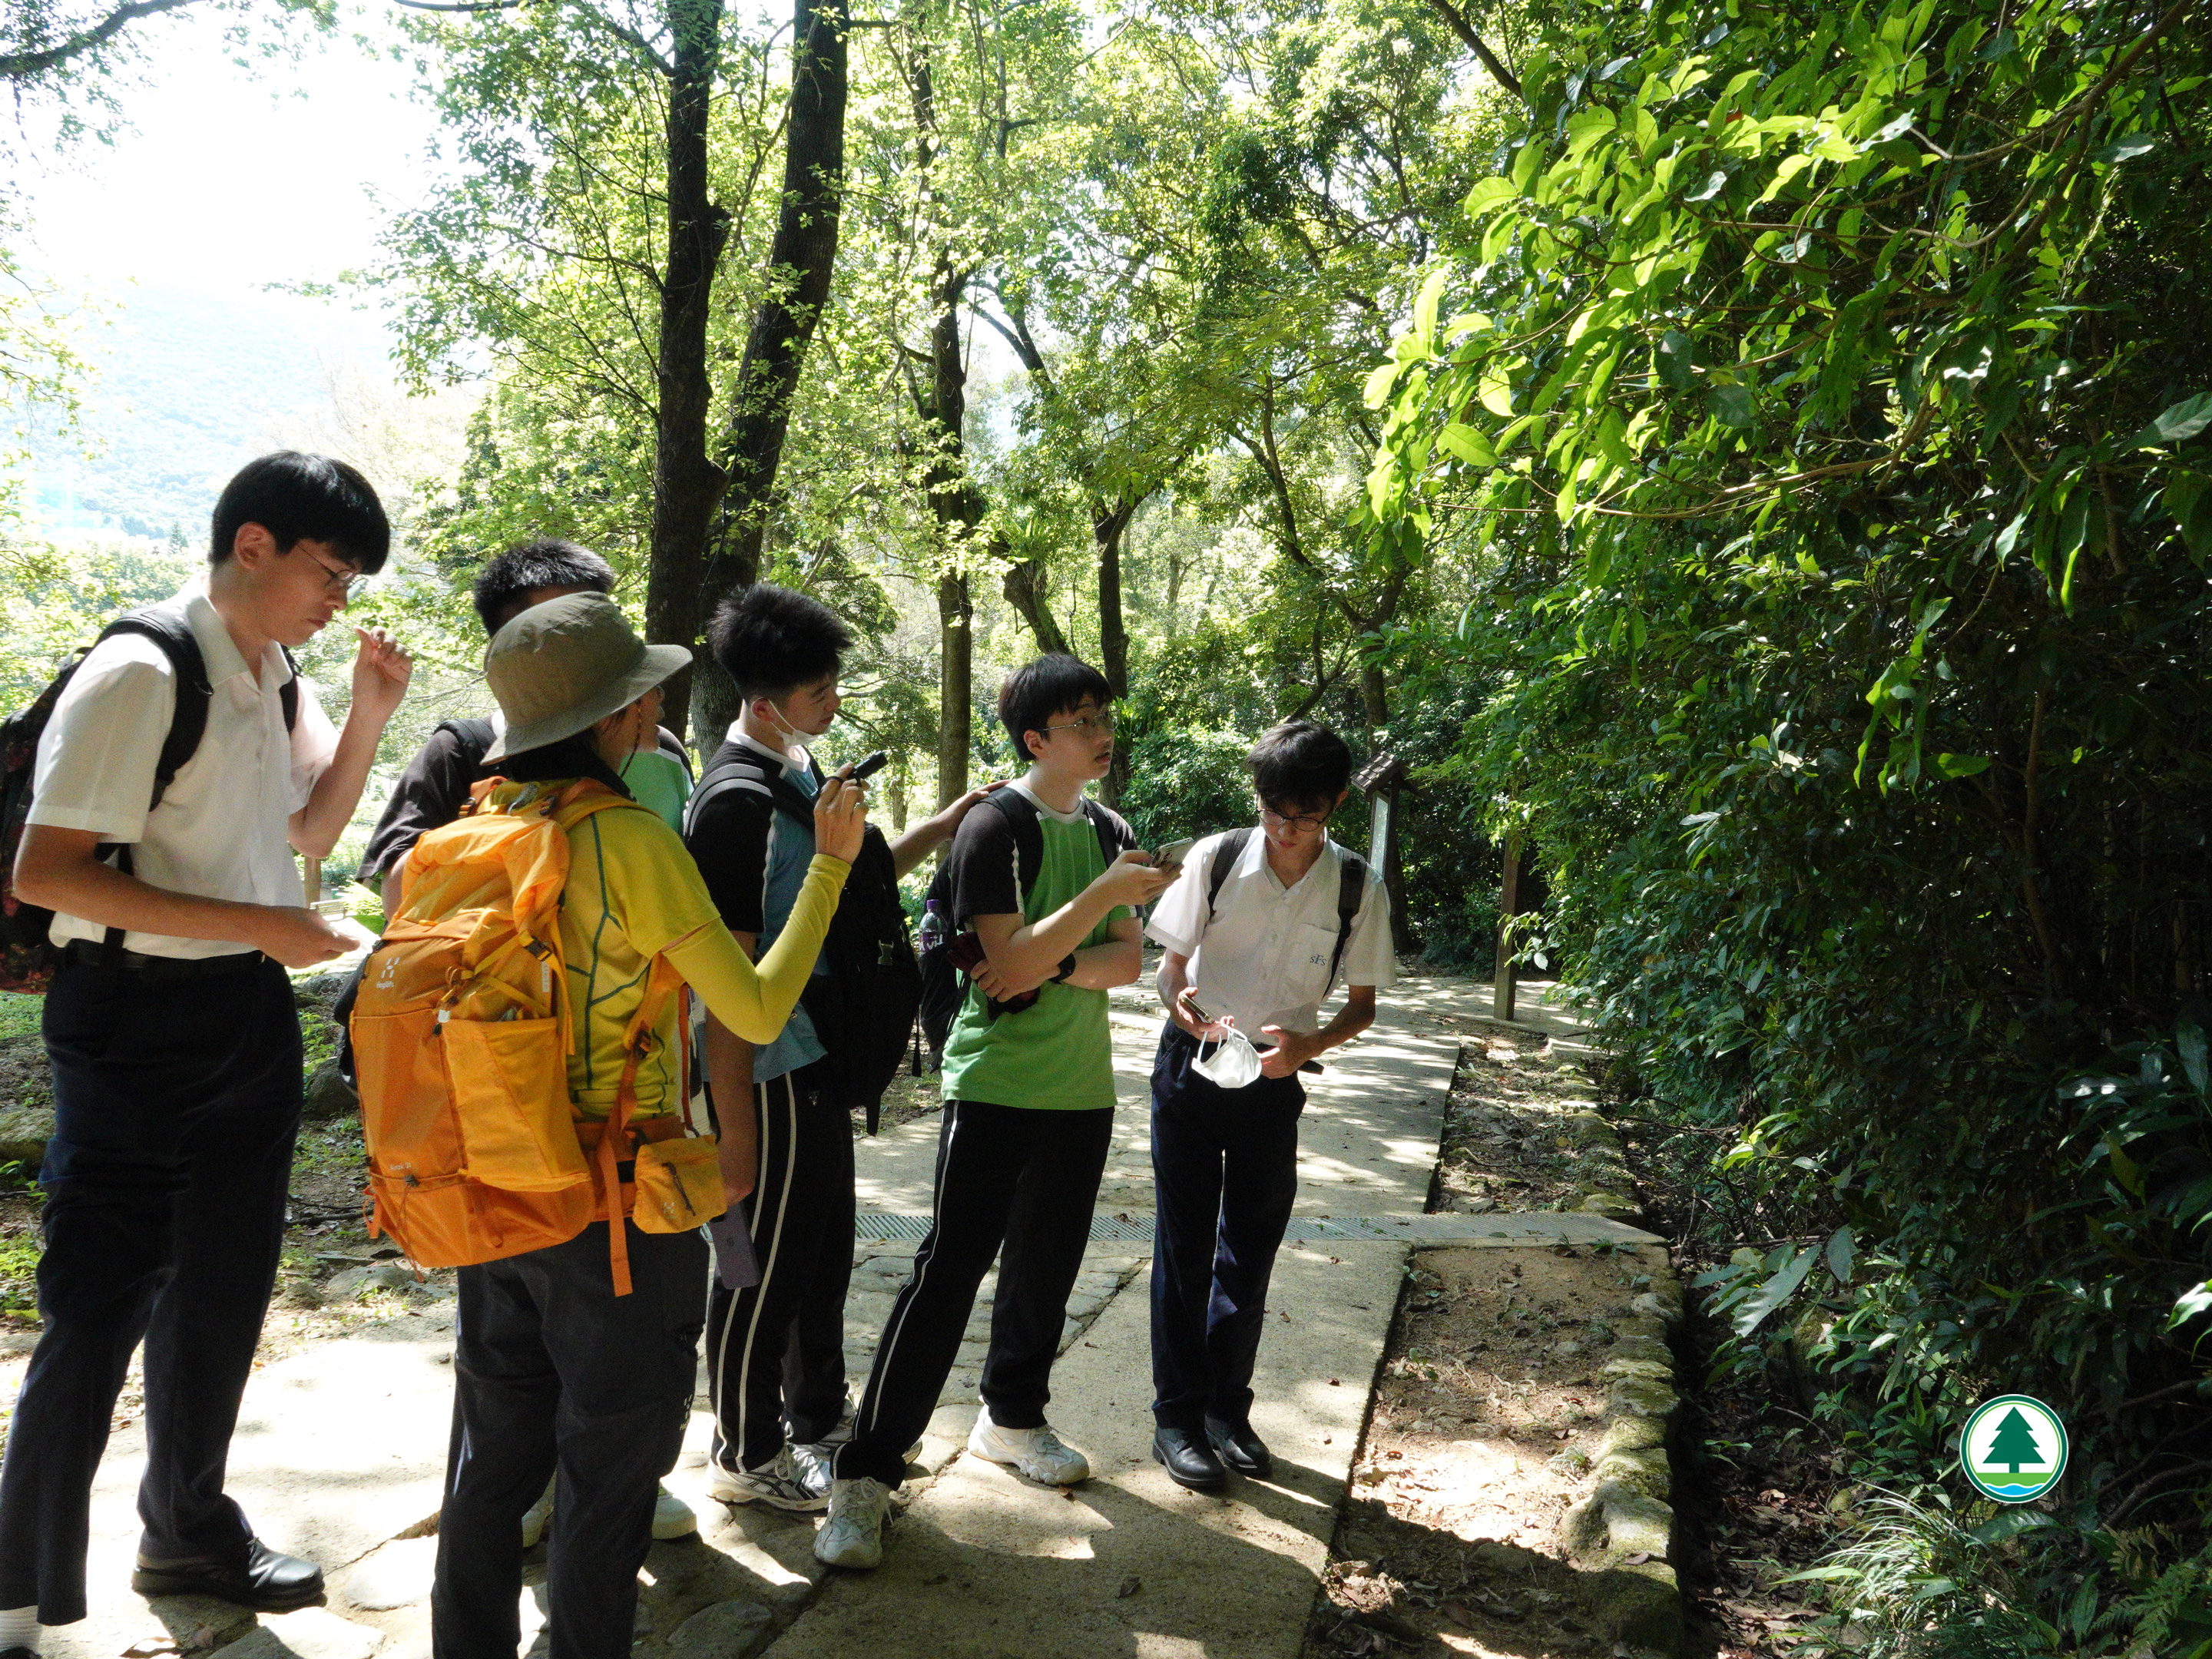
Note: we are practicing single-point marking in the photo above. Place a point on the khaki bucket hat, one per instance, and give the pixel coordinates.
(564, 665)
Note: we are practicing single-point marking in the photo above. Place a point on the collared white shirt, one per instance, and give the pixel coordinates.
(220, 831)
(1263, 958)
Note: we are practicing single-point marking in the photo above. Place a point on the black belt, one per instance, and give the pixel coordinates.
(159, 970)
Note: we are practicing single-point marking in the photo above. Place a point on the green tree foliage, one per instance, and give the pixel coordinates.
(1819, 394)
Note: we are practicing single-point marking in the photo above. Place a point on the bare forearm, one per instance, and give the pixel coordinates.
(1351, 1020)
(316, 827)
(730, 1076)
(918, 843)
(1034, 952)
(106, 897)
(1102, 967)
(1173, 978)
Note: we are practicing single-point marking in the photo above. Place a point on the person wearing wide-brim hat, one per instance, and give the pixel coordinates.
(553, 1371)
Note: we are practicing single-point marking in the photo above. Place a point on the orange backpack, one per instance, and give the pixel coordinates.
(462, 1032)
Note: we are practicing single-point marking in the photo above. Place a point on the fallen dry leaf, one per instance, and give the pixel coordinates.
(1458, 1615)
(1130, 1586)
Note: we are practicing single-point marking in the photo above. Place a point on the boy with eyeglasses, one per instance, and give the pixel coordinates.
(1256, 931)
(1028, 1105)
(171, 1026)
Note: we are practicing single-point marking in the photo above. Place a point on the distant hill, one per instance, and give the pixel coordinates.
(188, 386)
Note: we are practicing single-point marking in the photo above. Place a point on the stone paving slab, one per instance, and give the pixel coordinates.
(341, 1448)
(987, 1564)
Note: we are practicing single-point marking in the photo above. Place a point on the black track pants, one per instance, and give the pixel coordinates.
(1006, 1174)
(775, 1350)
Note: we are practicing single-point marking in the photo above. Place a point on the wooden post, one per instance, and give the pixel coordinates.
(311, 881)
(1383, 778)
(1509, 906)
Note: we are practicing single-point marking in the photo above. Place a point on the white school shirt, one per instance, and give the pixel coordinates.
(220, 831)
(1263, 959)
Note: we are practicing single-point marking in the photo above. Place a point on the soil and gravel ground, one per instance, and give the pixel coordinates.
(1482, 1425)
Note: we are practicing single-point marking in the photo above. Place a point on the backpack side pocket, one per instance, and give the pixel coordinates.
(679, 1184)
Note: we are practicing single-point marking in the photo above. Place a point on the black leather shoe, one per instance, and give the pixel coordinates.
(1240, 1448)
(1188, 1460)
(264, 1581)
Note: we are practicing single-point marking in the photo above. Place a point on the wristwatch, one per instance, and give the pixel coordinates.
(1066, 967)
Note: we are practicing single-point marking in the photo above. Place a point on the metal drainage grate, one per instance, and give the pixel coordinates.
(1135, 1226)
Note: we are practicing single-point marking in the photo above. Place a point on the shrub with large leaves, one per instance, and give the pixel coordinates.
(1826, 391)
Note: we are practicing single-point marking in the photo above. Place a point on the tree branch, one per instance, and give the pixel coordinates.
(1505, 78)
(23, 65)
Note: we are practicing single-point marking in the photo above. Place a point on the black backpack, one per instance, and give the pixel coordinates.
(1350, 891)
(863, 1008)
(27, 957)
(942, 987)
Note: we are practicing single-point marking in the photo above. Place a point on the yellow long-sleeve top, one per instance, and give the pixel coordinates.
(634, 894)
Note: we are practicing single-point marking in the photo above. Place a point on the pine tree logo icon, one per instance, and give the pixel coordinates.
(2014, 1448)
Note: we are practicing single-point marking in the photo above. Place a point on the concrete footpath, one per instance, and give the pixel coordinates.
(341, 1447)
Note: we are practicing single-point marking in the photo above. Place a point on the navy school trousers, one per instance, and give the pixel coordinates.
(1225, 1172)
(176, 1102)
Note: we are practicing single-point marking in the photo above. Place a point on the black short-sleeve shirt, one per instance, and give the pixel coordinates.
(429, 795)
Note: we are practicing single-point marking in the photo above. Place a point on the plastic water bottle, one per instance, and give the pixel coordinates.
(932, 926)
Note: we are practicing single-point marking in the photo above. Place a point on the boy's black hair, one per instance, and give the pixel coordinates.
(1300, 763)
(769, 639)
(1034, 692)
(303, 498)
(523, 568)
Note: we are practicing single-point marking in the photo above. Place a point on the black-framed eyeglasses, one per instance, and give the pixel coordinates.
(338, 579)
(1270, 816)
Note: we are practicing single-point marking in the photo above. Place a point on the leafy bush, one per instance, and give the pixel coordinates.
(1187, 783)
(1815, 396)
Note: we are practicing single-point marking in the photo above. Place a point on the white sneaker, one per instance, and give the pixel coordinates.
(852, 1535)
(535, 1517)
(672, 1517)
(811, 1464)
(780, 1483)
(1038, 1453)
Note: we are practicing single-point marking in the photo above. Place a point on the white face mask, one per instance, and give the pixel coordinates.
(1233, 1063)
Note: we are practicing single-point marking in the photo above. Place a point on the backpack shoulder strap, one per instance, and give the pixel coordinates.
(475, 737)
(1351, 893)
(672, 746)
(1223, 860)
(749, 775)
(288, 693)
(166, 626)
(1021, 814)
(1111, 828)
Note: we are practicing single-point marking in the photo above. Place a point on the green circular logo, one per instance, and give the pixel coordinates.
(2014, 1448)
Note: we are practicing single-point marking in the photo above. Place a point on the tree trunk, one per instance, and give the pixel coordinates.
(801, 262)
(1109, 521)
(955, 673)
(1374, 699)
(687, 486)
(1024, 588)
